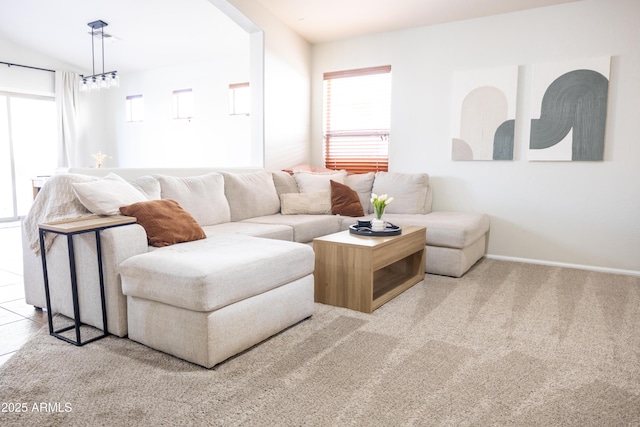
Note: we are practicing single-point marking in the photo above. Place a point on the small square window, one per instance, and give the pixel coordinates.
(183, 104)
(239, 99)
(135, 108)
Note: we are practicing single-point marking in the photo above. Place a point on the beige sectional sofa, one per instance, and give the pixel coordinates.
(252, 275)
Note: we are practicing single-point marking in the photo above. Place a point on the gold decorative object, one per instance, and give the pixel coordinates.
(99, 156)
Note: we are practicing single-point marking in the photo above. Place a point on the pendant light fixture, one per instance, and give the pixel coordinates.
(102, 80)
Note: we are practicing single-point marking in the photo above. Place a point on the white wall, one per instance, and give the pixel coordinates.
(583, 213)
(286, 89)
(211, 138)
(25, 80)
(286, 100)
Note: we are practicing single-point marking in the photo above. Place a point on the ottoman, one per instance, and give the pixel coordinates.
(207, 300)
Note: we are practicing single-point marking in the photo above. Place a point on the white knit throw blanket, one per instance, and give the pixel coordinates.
(56, 201)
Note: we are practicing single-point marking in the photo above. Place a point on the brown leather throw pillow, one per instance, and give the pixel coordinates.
(345, 200)
(165, 222)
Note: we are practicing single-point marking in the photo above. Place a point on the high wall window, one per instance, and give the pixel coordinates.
(183, 104)
(135, 108)
(239, 99)
(357, 117)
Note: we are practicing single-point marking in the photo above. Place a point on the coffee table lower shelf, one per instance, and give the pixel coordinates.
(390, 285)
(363, 273)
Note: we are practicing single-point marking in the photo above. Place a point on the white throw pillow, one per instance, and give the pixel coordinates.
(409, 191)
(105, 196)
(284, 182)
(362, 183)
(311, 182)
(202, 196)
(316, 203)
(250, 194)
(148, 185)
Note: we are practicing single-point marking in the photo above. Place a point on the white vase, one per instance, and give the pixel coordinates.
(377, 224)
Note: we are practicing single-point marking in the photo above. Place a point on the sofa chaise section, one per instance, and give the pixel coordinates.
(455, 240)
(207, 300)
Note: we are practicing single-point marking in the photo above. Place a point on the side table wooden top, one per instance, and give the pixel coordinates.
(86, 223)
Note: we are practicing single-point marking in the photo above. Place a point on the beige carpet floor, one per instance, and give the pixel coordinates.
(507, 344)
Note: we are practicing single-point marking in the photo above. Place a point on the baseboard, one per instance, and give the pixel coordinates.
(566, 265)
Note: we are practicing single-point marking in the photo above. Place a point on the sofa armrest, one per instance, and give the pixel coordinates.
(118, 244)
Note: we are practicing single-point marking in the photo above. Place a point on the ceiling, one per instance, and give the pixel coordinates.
(150, 33)
(157, 33)
(328, 20)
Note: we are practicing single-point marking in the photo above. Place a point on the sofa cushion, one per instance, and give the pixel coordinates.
(202, 196)
(284, 182)
(165, 222)
(147, 185)
(345, 200)
(409, 191)
(316, 203)
(268, 231)
(363, 184)
(309, 182)
(105, 196)
(209, 274)
(305, 227)
(250, 194)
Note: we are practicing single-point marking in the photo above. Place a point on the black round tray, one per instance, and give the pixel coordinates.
(390, 230)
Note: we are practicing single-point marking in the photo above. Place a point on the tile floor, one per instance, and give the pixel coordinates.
(18, 321)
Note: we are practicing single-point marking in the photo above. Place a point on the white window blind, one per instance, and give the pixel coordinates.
(135, 108)
(239, 99)
(183, 104)
(357, 117)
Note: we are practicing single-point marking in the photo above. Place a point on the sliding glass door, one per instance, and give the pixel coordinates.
(28, 136)
(7, 196)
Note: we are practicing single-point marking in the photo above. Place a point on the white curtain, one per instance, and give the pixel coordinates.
(67, 109)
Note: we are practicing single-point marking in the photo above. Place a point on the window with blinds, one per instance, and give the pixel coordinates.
(183, 104)
(239, 99)
(357, 116)
(134, 108)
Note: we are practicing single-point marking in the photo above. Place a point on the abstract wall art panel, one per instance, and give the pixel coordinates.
(569, 110)
(484, 109)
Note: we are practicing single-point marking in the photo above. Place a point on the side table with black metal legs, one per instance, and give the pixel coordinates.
(70, 228)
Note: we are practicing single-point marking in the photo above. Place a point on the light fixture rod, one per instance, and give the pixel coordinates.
(102, 38)
(93, 54)
(104, 79)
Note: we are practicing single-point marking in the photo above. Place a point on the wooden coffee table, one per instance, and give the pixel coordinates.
(362, 272)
